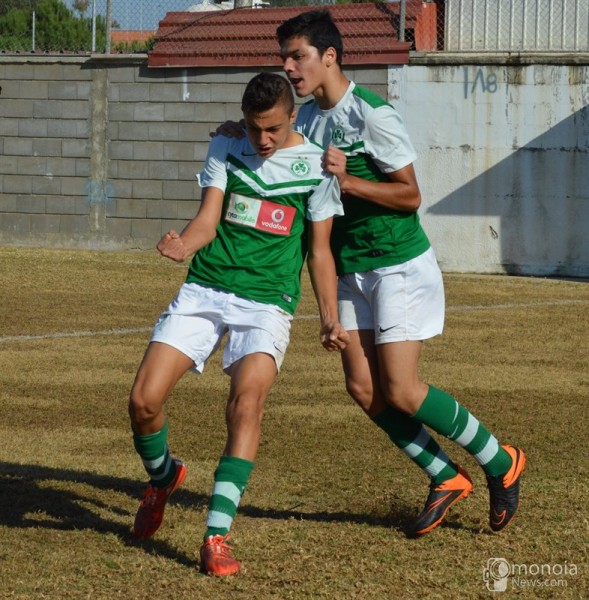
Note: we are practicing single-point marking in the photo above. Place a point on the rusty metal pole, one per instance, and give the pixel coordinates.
(108, 26)
(402, 13)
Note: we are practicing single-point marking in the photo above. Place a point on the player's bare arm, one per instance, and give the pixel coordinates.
(198, 233)
(401, 192)
(324, 280)
(235, 129)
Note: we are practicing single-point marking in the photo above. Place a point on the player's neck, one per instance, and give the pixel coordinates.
(332, 90)
(294, 139)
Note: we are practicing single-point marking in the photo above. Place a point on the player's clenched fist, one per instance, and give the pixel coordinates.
(333, 336)
(334, 162)
(172, 246)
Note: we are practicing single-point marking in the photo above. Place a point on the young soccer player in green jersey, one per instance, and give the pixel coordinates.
(390, 290)
(264, 195)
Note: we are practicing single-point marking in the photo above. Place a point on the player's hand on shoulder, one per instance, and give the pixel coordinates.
(172, 246)
(334, 337)
(231, 129)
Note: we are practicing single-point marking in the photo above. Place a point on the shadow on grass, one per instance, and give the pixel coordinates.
(26, 502)
(398, 518)
(391, 521)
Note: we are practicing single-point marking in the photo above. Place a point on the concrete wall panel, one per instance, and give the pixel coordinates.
(103, 154)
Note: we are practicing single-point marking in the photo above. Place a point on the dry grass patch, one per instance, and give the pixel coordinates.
(324, 514)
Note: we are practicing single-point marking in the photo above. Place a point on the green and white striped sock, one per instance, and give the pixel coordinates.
(155, 454)
(231, 478)
(445, 415)
(415, 441)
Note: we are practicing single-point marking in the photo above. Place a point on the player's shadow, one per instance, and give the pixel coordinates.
(398, 517)
(28, 499)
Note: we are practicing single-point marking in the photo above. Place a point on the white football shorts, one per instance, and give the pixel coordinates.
(400, 303)
(196, 321)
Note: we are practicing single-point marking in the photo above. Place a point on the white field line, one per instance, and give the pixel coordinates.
(127, 331)
(72, 334)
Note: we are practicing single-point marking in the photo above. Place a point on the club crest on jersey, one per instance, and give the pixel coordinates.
(260, 214)
(337, 135)
(300, 168)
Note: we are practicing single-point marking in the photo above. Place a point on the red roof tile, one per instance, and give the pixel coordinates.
(247, 37)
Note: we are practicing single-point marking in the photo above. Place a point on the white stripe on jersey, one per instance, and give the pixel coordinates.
(292, 170)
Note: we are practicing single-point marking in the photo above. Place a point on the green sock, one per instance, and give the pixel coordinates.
(415, 441)
(154, 452)
(231, 478)
(445, 415)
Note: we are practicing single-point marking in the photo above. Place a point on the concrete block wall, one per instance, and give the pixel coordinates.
(45, 149)
(102, 153)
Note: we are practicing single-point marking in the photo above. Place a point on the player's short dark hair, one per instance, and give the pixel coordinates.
(265, 91)
(319, 29)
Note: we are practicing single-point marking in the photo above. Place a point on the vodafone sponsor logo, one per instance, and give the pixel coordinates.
(278, 226)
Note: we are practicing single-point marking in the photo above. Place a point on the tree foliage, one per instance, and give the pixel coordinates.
(57, 28)
(7, 5)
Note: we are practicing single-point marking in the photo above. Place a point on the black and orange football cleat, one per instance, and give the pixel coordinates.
(504, 490)
(441, 497)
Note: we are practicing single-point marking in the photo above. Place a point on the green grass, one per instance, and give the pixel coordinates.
(324, 513)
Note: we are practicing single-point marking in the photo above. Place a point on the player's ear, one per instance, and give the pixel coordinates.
(330, 56)
(293, 116)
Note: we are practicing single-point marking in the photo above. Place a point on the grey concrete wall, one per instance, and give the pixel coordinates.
(102, 153)
(503, 161)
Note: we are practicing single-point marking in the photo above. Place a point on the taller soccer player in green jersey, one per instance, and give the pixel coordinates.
(390, 291)
(267, 203)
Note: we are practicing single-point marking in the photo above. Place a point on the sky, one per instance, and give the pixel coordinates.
(138, 14)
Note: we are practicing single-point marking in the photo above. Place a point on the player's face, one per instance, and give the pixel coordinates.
(269, 130)
(305, 69)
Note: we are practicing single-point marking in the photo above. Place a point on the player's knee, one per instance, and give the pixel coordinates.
(406, 400)
(247, 408)
(361, 392)
(143, 408)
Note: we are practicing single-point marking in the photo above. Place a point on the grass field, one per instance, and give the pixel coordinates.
(324, 514)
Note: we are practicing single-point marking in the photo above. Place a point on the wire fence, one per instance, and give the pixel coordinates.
(129, 26)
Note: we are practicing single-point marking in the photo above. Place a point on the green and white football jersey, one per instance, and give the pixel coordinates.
(261, 240)
(371, 133)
